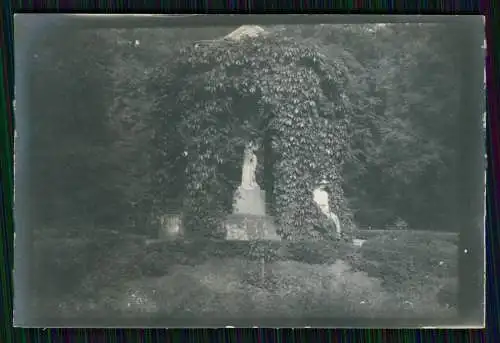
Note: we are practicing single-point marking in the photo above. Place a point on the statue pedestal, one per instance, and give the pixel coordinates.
(249, 220)
(250, 201)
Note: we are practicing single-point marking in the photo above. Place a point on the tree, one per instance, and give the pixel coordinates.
(70, 140)
(144, 111)
(404, 148)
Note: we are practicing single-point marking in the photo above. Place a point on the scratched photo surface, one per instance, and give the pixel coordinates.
(232, 172)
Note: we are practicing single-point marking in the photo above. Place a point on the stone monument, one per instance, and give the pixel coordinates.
(249, 220)
(321, 198)
(170, 226)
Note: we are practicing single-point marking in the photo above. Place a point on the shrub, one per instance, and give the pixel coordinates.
(118, 262)
(400, 224)
(224, 288)
(318, 252)
(212, 288)
(408, 259)
(232, 288)
(193, 252)
(59, 265)
(447, 295)
(405, 272)
(66, 266)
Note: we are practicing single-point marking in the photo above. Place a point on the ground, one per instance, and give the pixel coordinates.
(394, 274)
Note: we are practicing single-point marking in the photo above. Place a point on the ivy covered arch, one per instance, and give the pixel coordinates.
(288, 95)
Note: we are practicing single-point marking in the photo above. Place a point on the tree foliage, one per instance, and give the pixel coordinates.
(70, 142)
(404, 149)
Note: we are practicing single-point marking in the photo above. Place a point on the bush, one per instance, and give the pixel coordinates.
(327, 290)
(317, 252)
(412, 265)
(194, 252)
(223, 278)
(63, 266)
(79, 266)
(118, 262)
(212, 288)
(400, 224)
(224, 289)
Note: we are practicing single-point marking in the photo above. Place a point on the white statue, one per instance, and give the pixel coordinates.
(249, 167)
(320, 197)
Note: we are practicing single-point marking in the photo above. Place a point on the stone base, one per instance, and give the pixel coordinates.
(245, 227)
(250, 201)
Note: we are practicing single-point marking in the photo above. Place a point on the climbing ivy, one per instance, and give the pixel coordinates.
(268, 87)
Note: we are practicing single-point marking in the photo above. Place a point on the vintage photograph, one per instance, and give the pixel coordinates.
(243, 171)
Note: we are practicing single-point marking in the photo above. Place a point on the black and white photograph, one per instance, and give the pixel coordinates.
(226, 174)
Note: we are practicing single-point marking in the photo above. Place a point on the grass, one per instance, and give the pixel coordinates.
(394, 274)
